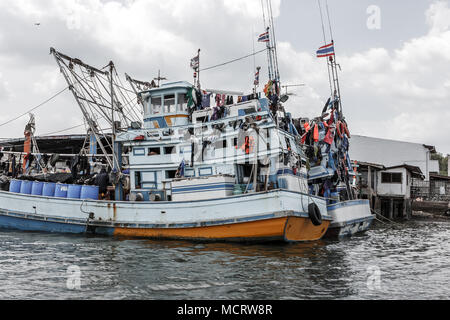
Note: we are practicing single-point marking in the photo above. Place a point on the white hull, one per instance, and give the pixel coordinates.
(349, 218)
(38, 213)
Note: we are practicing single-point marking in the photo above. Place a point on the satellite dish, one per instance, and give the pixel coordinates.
(284, 98)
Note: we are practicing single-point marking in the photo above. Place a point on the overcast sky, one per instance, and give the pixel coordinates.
(394, 56)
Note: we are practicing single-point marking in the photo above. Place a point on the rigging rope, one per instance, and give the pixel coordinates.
(34, 108)
(234, 60)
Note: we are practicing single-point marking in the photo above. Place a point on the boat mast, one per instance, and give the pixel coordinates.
(333, 62)
(325, 43)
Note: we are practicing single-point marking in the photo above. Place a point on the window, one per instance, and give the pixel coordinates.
(138, 151)
(396, 178)
(391, 177)
(189, 173)
(148, 180)
(154, 151)
(170, 174)
(372, 177)
(364, 177)
(182, 102)
(156, 105)
(202, 172)
(137, 180)
(169, 104)
(169, 150)
(147, 105)
(222, 144)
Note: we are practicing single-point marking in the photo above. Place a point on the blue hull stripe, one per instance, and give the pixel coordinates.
(25, 224)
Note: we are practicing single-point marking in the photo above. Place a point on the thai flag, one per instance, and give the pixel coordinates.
(264, 37)
(326, 51)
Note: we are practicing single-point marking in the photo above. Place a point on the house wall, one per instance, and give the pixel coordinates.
(391, 153)
(395, 189)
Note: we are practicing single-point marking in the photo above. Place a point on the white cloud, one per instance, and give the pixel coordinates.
(401, 93)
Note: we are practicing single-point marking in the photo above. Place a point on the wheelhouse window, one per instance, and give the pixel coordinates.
(221, 144)
(391, 177)
(169, 150)
(137, 180)
(169, 104)
(170, 174)
(149, 180)
(156, 105)
(154, 151)
(182, 102)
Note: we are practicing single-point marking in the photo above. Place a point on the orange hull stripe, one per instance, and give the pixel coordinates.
(302, 229)
(286, 228)
(255, 229)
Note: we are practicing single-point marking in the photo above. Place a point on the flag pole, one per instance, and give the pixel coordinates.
(198, 70)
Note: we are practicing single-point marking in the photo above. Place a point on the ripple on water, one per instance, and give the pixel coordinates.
(412, 261)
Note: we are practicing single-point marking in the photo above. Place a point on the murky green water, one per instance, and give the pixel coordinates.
(407, 262)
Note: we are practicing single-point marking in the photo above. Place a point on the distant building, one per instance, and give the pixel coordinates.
(391, 153)
(388, 189)
(390, 173)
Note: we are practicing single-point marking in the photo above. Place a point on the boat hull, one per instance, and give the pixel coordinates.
(349, 218)
(272, 216)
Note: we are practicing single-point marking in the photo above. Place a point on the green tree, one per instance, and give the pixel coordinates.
(443, 163)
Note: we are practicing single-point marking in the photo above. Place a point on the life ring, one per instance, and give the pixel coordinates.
(314, 214)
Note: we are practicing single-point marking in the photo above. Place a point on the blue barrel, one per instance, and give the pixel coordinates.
(89, 192)
(26, 186)
(36, 189)
(74, 191)
(14, 185)
(61, 190)
(49, 189)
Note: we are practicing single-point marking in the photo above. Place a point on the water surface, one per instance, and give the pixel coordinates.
(410, 261)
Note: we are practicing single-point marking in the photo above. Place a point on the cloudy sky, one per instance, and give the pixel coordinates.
(394, 56)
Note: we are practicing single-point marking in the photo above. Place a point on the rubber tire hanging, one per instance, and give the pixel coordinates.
(314, 214)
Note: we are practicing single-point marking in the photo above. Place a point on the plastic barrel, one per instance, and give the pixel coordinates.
(49, 189)
(36, 189)
(61, 190)
(14, 186)
(26, 186)
(74, 191)
(89, 192)
(237, 189)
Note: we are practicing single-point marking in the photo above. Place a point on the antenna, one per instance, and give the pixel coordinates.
(159, 78)
(291, 85)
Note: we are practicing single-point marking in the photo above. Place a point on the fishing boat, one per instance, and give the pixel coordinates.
(224, 190)
(180, 168)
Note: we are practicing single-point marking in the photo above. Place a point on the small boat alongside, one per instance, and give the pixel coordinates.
(332, 174)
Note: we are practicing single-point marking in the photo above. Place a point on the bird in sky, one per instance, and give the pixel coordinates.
(37, 24)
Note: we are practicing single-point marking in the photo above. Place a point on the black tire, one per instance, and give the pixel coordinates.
(314, 214)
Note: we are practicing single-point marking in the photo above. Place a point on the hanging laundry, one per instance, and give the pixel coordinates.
(316, 133)
(217, 98)
(329, 138)
(206, 100)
